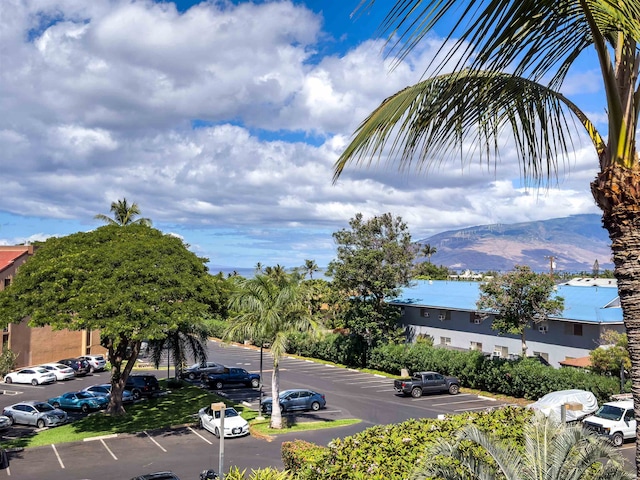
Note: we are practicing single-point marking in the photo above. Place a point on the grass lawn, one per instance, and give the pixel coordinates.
(261, 427)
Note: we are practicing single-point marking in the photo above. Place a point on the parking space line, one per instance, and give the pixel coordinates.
(57, 455)
(459, 401)
(378, 386)
(108, 449)
(210, 443)
(154, 441)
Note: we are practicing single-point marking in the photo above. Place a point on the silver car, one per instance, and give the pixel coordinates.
(39, 414)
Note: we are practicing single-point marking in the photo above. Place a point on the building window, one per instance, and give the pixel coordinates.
(445, 340)
(573, 329)
(444, 315)
(500, 351)
(7, 282)
(475, 317)
(543, 355)
(424, 313)
(476, 346)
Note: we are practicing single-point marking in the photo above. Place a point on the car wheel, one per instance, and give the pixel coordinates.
(191, 376)
(255, 383)
(40, 423)
(218, 385)
(282, 408)
(201, 424)
(8, 380)
(91, 369)
(84, 408)
(416, 392)
(135, 393)
(454, 389)
(34, 382)
(55, 404)
(315, 406)
(617, 439)
(216, 432)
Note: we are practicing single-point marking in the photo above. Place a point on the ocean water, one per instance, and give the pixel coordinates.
(228, 271)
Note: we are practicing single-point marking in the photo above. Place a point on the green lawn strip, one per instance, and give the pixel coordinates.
(179, 407)
(262, 427)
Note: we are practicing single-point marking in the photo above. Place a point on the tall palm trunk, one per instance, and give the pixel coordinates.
(276, 413)
(617, 192)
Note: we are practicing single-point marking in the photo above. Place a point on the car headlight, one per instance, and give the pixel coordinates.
(606, 430)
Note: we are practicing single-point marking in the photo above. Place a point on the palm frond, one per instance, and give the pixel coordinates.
(437, 119)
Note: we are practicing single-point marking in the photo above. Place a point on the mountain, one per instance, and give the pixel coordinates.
(573, 243)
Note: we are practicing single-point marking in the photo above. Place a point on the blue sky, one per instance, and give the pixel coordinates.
(223, 120)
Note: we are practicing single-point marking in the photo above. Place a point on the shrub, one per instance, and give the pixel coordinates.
(7, 362)
(304, 458)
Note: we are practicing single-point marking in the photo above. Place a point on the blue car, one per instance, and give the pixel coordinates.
(83, 401)
(104, 390)
(296, 399)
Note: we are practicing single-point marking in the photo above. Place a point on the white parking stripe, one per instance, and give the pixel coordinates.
(154, 441)
(210, 443)
(57, 455)
(108, 449)
(460, 401)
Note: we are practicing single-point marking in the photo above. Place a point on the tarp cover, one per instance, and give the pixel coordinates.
(551, 403)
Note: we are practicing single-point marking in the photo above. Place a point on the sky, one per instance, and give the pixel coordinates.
(223, 121)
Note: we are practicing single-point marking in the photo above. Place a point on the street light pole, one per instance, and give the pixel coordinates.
(260, 403)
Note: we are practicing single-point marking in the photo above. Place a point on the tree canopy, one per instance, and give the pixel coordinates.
(518, 300)
(131, 284)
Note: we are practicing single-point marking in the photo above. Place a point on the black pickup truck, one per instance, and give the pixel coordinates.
(233, 376)
(426, 382)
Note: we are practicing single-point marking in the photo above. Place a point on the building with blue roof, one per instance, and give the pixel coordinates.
(446, 311)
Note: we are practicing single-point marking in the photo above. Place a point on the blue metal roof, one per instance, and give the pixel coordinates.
(595, 304)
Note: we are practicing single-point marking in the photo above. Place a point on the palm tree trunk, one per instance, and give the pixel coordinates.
(617, 192)
(276, 414)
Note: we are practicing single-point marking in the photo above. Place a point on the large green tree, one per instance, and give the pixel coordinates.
(551, 452)
(510, 59)
(519, 299)
(269, 308)
(374, 260)
(131, 283)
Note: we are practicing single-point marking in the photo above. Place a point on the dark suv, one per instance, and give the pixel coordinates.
(80, 367)
(142, 385)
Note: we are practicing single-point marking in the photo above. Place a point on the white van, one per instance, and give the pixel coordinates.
(614, 420)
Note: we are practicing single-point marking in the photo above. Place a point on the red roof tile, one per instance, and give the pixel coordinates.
(582, 362)
(7, 257)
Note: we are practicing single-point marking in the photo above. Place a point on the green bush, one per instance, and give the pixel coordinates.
(392, 451)
(7, 362)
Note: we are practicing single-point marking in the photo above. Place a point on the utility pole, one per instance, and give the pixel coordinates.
(552, 264)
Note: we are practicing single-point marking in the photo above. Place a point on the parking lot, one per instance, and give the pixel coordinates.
(187, 450)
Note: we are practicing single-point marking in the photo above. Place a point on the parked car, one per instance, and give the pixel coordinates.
(34, 376)
(426, 382)
(198, 369)
(579, 404)
(157, 476)
(80, 367)
(40, 414)
(142, 385)
(104, 390)
(234, 424)
(97, 363)
(296, 399)
(614, 420)
(83, 401)
(233, 376)
(5, 422)
(62, 372)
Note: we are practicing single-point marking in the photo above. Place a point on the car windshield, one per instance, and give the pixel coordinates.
(610, 412)
(42, 370)
(228, 412)
(43, 407)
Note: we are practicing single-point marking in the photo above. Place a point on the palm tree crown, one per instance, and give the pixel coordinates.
(551, 452)
(124, 214)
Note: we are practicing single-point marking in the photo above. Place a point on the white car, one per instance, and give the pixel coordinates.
(34, 376)
(62, 372)
(234, 424)
(97, 363)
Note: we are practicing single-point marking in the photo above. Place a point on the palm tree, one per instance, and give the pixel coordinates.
(123, 214)
(277, 273)
(551, 452)
(428, 250)
(258, 268)
(310, 266)
(512, 59)
(269, 308)
(187, 341)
